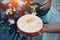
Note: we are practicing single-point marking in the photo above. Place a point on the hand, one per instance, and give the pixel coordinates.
(46, 6)
(43, 29)
(43, 8)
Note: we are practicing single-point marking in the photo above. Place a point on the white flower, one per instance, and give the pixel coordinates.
(11, 21)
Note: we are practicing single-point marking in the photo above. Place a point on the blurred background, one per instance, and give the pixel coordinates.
(11, 11)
